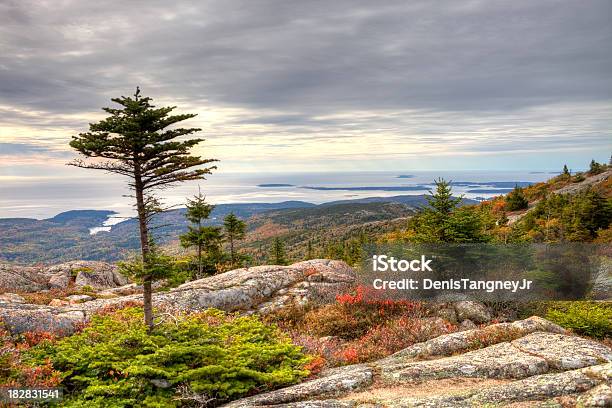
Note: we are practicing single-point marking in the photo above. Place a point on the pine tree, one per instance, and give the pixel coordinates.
(234, 231)
(442, 201)
(566, 171)
(595, 168)
(515, 200)
(430, 225)
(278, 252)
(134, 141)
(204, 238)
(444, 221)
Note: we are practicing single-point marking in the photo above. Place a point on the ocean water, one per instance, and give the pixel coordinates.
(44, 198)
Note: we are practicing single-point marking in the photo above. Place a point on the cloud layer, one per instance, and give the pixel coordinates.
(319, 84)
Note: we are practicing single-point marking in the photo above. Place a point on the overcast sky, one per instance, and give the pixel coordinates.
(317, 85)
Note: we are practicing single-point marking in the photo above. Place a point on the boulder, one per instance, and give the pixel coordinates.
(58, 302)
(14, 278)
(26, 318)
(540, 364)
(11, 298)
(465, 340)
(474, 311)
(98, 275)
(261, 289)
(59, 280)
(75, 299)
(336, 382)
(467, 324)
(599, 396)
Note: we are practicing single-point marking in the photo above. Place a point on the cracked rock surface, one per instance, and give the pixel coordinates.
(261, 289)
(97, 275)
(534, 363)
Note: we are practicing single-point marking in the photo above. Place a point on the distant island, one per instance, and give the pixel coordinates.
(368, 188)
(497, 184)
(491, 191)
(405, 176)
(275, 185)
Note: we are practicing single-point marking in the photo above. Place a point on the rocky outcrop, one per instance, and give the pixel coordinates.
(474, 311)
(97, 275)
(541, 363)
(261, 289)
(20, 318)
(21, 279)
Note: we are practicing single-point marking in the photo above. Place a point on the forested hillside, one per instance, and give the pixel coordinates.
(67, 235)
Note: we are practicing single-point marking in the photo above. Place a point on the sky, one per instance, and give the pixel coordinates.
(288, 86)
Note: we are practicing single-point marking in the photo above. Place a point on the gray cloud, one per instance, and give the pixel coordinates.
(417, 67)
(313, 56)
(26, 149)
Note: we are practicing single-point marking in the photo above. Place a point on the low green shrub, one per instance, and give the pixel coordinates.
(208, 356)
(588, 318)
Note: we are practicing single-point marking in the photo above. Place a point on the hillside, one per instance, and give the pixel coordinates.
(561, 185)
(67, 235)
(330, 229)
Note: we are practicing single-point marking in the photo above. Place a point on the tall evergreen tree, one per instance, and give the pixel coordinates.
(431, 223)
(444, 221)
(234, 231)
(135, 141)
(204, 238)
(278, 252)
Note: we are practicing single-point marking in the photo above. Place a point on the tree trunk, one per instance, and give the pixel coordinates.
(199, 260)
(144, 246)
(232, 250)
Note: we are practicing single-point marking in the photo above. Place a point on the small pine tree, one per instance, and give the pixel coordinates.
(444, 221)
(234, 231)
(278, 252)
(442, 201)
(204, 238)
(431, 224)
(595, 168)
(566, 171)
(515, 200)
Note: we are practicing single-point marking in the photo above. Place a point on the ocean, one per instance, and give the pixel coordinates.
(44, 198)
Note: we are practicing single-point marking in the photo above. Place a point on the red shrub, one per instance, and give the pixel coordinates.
(383, 340)
(14, 372)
